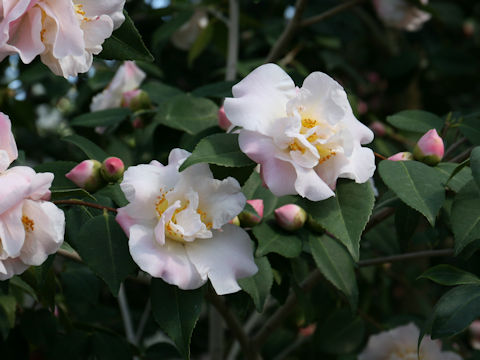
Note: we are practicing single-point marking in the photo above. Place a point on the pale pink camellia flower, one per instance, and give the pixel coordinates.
(400, 343)
(127, 79)
(304, 138)
(66, 34)
(223, 121)
(429, 149)
(177, 224)
(30, 227)
(87, 175)
(401, 14)
(290, 217)
(401, 156)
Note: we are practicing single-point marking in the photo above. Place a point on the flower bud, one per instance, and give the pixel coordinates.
(223, 121)
(290, 217)
(475, 334)
(401, 156)
(136, 100)
(378, 128)
(235, 221)
(87, 175)
(429, 148)
(112, 169)
(249, 219)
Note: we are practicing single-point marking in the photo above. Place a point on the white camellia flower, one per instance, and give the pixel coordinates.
(30, 227)
(400, 343)
(401, 14)
(177, 224)
(304, 138)
(65, 33)
(127, 78)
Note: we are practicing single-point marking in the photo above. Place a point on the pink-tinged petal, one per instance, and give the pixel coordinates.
(11, 267)
(12, 231)
(279, 176)
(7, 141)
(401, 156)
(362, 165)
(44, 225)
(169, 262)
(224, 258)
(309, 185)
(40, 185)
(177, 157)
(124, 220)
(260, 98)
(14, 186)
(112, 8)
(223, 121)
(95, 32)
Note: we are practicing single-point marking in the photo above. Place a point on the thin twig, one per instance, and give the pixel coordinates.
(381, 157)
(143, 321)
(454, 146)
(83, 203)
(279, 47)
(233, 41)
(233, 324)
(463, 156)
(284, 311)
(126, 317)
(378, 218)
(331, 12)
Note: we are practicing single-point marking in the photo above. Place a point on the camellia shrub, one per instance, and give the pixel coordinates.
(240, 179)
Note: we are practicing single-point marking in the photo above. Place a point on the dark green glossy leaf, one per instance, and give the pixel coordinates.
(272, 238)
(450, 276)
(416, 120)
(101, 118)
(475, 164)
(258, 286)
(92, 150)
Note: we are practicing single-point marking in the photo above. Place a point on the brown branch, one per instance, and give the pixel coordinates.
(83, 203)
(316, 276)
(381, 157)
(463, 156)
(279, 47)
(331, 12)
(378, 218)
(233, 324)
(454, 146)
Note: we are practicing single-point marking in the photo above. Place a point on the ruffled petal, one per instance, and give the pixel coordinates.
(12, 232)
(11, 267)
(224, 258)
(112, 8)
(7, 142)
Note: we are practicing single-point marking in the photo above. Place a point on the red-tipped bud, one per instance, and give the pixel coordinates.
(248, 218)
(290, 217)
(112, 169)
(87, 175)
(378, 128)
(136, 100)
(401, 156)
(235, 221)
(223, 121)
(429, 148)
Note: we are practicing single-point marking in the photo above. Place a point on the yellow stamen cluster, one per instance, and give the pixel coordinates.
(28, 224)
(80, 12)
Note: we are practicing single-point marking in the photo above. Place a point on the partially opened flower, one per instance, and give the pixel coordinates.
(401, 344)
(66, 34)
(30, 227)
(401, 14)
(304, 138)
(177, 224)
(127, 79)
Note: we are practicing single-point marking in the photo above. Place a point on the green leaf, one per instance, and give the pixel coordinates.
(200, 44)
(59, 169)
(475, 164)
(453, 175)
(336, 264)
(107, 346)
(177, 312)
(9, 305)
(416, 184)
(416, 120)
(103, 246)
(272, 238)
(346, 214)
(125, 44)
(220, 89)
(160, 92)
(450, 276)
(455, 310)
(465, 216)
(219, 149)
(101, 118)
(92, 150)
(470, 128)
(188, 113)
(340, 333)
(258, 286)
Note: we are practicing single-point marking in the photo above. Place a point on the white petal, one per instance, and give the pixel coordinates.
(224, 258)
(7, 142)
(169, 262)
(10, 267)
(260, 98)
(46, 234)
(309, 185)
(12, 232)
(112, 8)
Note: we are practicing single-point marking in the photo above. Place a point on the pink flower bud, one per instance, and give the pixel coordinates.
(136, 100)
(307, 330)
(378, 128)
(112, 169)
(401, 156)
(87, 175)
(249, 219)
(290, 217)
(223, 121)
(475, 334)
(429, 148)
(235, 221)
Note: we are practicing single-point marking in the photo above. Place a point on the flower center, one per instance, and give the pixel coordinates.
(80, 12)
(28, 224)
(405, 354)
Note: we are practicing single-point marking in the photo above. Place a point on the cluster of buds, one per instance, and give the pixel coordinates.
(91, 175)
(429, 150)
